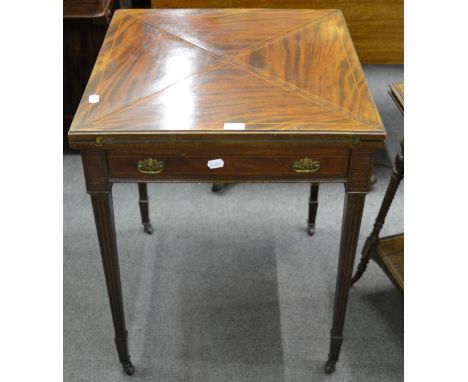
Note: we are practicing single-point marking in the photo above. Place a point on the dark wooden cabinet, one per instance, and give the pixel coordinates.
(85, 25)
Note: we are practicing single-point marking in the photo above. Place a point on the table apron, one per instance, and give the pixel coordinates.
(216, 165)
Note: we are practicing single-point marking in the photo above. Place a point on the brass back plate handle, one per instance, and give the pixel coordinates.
(150, 166)
(306, 165)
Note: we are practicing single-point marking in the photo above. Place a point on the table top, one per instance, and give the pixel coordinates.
(198, 71)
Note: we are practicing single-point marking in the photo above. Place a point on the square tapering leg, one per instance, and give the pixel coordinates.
(144, 207)
(313, 207)
(100, 190)
(104, 217)
(357, 187)
(352, 215)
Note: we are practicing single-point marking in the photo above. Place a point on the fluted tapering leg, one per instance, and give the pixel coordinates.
(357, 187)
(104, 217)
(100, 190)
(144, 207)
(395, 179)
(313, 206)
(353, 208)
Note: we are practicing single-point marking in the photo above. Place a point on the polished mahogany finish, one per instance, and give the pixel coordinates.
(188, 72)
(168, 88)
(239, 165)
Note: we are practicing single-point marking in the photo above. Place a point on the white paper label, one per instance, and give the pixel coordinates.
(215, 163)
(234, 126)
(94, 98)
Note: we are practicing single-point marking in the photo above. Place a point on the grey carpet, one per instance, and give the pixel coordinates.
(230, 287)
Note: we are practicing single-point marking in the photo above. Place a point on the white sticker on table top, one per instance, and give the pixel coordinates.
(215, 163)
(93, 98)
(234, 126)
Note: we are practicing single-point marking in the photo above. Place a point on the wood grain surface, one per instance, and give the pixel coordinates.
(192, 71)
(390, 256)
(377, 26)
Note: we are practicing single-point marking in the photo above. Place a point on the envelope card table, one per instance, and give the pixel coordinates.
(227, 95)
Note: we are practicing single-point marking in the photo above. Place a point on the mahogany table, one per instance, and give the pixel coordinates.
(225, 96)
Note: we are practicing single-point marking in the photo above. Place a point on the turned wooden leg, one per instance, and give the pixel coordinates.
(99, 188)
(313, 206)
(397, 176)
(354, 205)
(144, 207)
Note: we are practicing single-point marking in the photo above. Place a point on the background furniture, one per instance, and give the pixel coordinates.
(397, 92)
(168, 89)
(376, 26)
(84, 27)
(133, 4)
(387, 252)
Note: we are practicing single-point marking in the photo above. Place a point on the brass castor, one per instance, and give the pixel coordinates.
(217, 187)
(330, 367)
(148, 229)
(311, 229)
(128, 368)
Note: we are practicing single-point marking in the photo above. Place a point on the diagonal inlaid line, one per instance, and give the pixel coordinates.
(104, 70)
(311, 97)
(246, 68)
(283, 34)
(176, 37)
(352, 121)
(243, 50)
(132, 103)
(306, 94)
(352, 71)
(300, 92)
(221, 60)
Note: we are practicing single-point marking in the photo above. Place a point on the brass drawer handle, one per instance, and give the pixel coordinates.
(150, 166)
(306, 165)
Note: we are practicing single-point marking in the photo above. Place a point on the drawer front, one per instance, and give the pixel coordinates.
(320, 163)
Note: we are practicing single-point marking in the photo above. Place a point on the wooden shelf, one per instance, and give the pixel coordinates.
(397, 91)
(389, 254)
